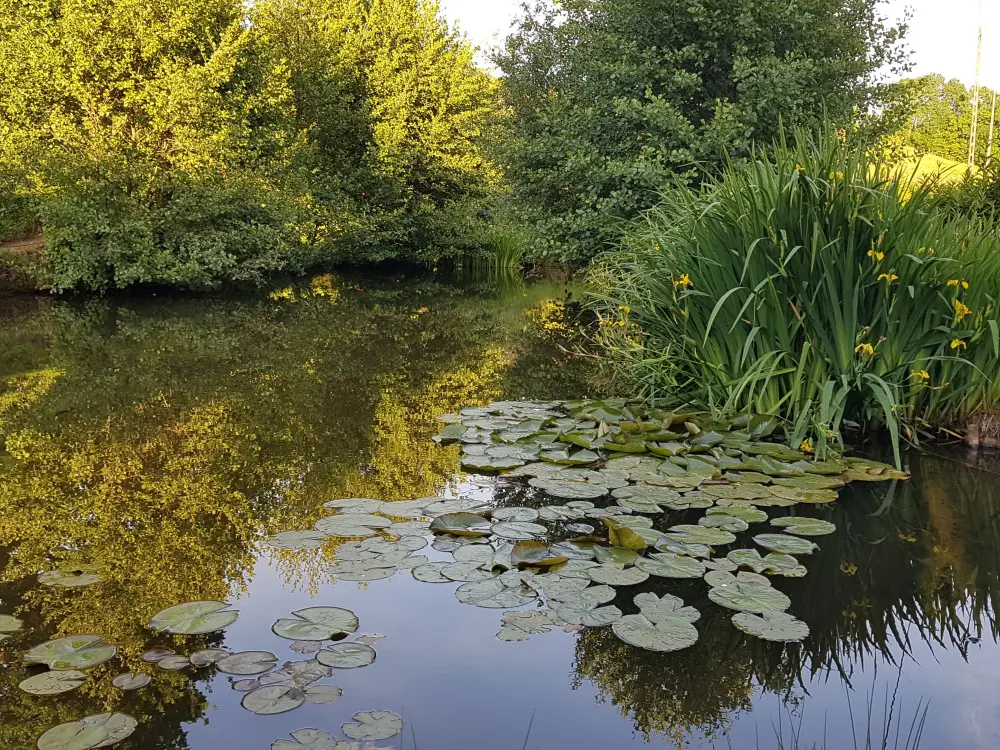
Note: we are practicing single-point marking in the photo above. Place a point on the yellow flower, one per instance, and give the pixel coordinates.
(836, 175)
(958, 283)
(958, 344)
(848, 568)
(889, 277)
(866, 349)
(799, 168)
(922, 374)
(962, 311)
(684, 280)
(878, 255)
(807, 446)
(625, 308)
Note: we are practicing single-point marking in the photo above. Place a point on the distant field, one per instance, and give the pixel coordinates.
(930, 166)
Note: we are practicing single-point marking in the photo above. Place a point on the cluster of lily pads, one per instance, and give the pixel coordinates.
(269, 689)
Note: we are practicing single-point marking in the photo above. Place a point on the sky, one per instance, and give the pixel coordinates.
(942, 32)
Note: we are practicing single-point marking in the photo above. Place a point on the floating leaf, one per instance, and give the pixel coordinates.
(297, 673)
(347, 656)
(73, 652)
(68, 577)
(363, 570)
(399, 549)
(461, 524)
(669, 565)
(805, 526)
(745, 592)
(574, 550)
(468, 572)
(615, 555)
(617, 575)
(722, 564)
(517, 626)
(194, 618)
(307, 739)
(774, 563)
(657, 609)
(623, 536)
(354, 505)
(247, 662)
(316, 624)
(245, 686)
(525, 515)
(273, 699)
(53, 683)
(695, 534)
(772, 626)
(131, 681)
(669, 544)
(100, 730)
(748, 513)
(173, 663)
(518, 530)
(458, 505)
(590, 616)
(431, 573)
(569, 490)
(155, 654)
(297, 540)
(8, 625)
(207, 657)
(724, 522)
(306, 647)
(494, 594)
(352, 525)
(672, 634)
(369, 639)
(373, 725)
(320, 694)
(535, 554)
(789, 545)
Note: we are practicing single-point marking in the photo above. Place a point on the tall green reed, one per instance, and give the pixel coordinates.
(812, 282)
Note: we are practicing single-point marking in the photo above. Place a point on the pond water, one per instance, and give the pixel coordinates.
(162, 440)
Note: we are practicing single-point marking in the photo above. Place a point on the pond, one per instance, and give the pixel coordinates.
(160, 442)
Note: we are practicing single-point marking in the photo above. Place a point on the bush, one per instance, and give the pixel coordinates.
(805, 284)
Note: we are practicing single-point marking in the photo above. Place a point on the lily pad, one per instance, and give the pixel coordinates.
(467, 572)
(363, 570)
(518, 530)
(789, 545)
(131, 681)
(247, 662)
(373, 725)
(348, 525)
(560, 513)
(774, 563)
(298, 540)
(298, 674)
(9, 625)
(69, 577)
(320, 694)
(696, 534)
(525, 515)
(354, 505)
(745, 592)
(53, 683)
(155, 654)
(431, 573)
(615, 555)
(672, 634)
(307, 739)
(100, 730)
(568, 489)
(657, 609)
(306, 647)
(669, 544)
(458, 505)
(461, 524)
(617, 575)
(669, 565)
(748, 513)
(194, 618)
(245, 686)
(173, 663)
(518, 626)
(402, 547)
(316, 624)
(772, 626)
(724, 522)
(494, 594)
(624, 536)
(347, 656)
(804, 526)
(73, 652)
(481, 554)
(535, 553)
(588, 614)
(273, 699)
(208, 656)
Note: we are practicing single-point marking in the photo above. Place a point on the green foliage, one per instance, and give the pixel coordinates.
(194, 141)
(612, 98)
(808, 285)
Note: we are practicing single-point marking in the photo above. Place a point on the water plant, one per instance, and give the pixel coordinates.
(814, 283)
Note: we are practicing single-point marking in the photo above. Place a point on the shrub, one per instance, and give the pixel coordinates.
(806, 284)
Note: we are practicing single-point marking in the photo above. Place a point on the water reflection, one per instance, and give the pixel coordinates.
(162, 440)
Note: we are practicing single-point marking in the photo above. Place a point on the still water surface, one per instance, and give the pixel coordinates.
(163, 439)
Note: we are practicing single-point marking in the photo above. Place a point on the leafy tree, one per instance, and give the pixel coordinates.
(612, 99)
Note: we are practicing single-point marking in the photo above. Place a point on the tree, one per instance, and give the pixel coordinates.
(612, 99)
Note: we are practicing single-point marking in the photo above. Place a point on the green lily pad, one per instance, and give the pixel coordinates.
(525, 515)
(349, 525)
(173, 663)
(247, 662)
(796, 496)
(307, 739)
(772, 626)
(156, 654)
(298, 674)
(346, 655)
(535, 554)
(273, 699)
(194, 618)
(8, 626)
(569, 490)
(402, 547)
(73, 652)
(431, 573)
(298, 540)
(746, 592)
(131, 681)
(810, 482)
(518, 530)
(100, 730)
(490, 463)
(657, 609)
(624, 536)
(669, 565)
(354, 505)
(208, 656)
(575, 569)
(748, 513)
(321, 694)
(69, 577)
(461, 524)
(361, 571)
(467, 572)
(696, 534)
(804, 526)
(494, 594)
(559, 513)
(316, 624)
(724, 522)
(481, 554)
(617, 575)
(789, 545)
(589, 616)
(53, 683)
(672, 634)
(669, 544)
(615, 555)
(373, 725)
(518, 626)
